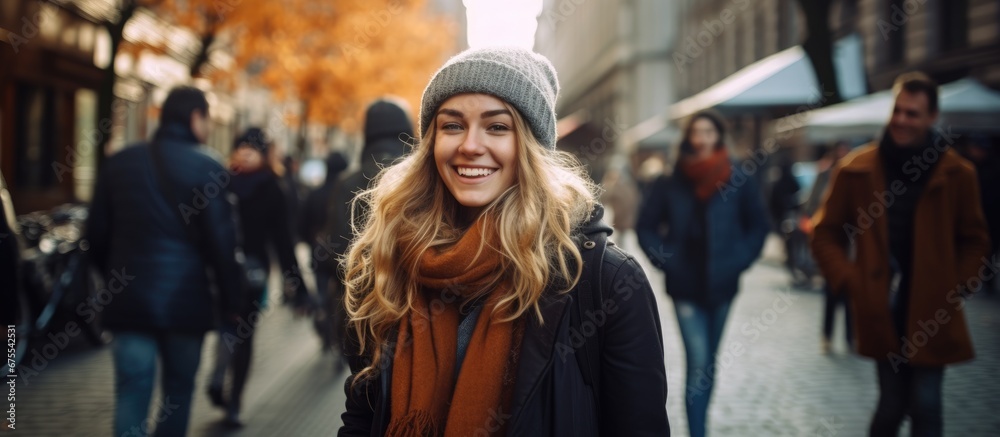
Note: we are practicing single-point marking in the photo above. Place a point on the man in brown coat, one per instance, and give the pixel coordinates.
(902, 233)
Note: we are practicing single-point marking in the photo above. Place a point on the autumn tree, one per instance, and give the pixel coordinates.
(335, 57)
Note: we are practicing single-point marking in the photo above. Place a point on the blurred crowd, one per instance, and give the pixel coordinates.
(898, 232)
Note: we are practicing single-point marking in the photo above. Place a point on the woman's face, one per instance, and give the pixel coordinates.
(246, 159)
(475, 148)
(703, 138)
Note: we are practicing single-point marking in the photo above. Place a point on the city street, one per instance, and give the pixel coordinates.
(773, 380)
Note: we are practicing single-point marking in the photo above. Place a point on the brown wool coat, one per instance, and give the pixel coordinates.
(950, 243)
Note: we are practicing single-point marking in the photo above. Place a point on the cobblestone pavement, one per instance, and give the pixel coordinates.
(780, 385)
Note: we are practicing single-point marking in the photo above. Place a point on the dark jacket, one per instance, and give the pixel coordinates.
(10, 260)
(732, 225)
(265, 224)
(139, 244)
(550, 396)
(386, 124)
(950, 241)
(316, 209)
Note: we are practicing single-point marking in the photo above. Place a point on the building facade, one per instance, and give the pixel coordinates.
(614, 66)
(947, 39)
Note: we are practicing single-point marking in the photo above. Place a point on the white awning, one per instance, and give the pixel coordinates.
(964, 104)
(782, 79)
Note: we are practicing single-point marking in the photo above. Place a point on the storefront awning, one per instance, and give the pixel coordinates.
(965, 105)
(785, 79)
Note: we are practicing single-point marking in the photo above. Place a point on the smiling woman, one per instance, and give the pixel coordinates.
(472, 243)
(475, 150)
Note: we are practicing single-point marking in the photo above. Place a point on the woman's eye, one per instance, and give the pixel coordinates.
(498, 128)
(451, 126)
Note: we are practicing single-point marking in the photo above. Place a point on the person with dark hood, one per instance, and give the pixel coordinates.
(153, 241)
(312, 222)
(387, 128)
(265, 225)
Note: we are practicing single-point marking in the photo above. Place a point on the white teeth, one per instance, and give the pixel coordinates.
(475, 172)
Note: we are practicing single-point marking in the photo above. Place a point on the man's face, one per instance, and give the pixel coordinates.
(200, 125)
(911, 118)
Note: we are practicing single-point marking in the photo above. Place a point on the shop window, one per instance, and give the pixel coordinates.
(35, 137)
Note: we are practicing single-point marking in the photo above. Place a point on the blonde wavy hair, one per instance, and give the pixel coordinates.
(410, 211)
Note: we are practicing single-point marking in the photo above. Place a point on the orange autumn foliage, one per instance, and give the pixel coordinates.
(337, 56)
(333, 57)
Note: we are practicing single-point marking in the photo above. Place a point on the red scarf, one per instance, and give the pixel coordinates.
(708, 174)
(426, 398)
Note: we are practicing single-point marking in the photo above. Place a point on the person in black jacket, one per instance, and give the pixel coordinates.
(463, 286)
(265, 225)
(312, 222)
(141, 242)
(387, 125)
(10, 262)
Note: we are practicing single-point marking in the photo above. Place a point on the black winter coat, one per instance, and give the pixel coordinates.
(707, 246)
(140, 245)
(550, 397)
(264, 220)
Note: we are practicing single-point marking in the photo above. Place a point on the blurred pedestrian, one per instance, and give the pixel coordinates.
(266, 229)
(622, 196)
(902, 234)
(10, 263)
(784, 208)
(287, 170)
(153, 243)
(716, 225)
(473, 240)
(387, 128)
(312, 222)
(984, 156)
(833, 300)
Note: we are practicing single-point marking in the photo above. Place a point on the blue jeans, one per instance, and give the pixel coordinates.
(908, 391)
(701, 329)
(135, 356)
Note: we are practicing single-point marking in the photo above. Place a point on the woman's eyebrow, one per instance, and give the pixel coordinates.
(451, 112)
(495, 113)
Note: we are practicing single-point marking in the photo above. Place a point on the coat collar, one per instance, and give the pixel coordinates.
(866, 160)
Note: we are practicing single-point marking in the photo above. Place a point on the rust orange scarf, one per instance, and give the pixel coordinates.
(706, 174)
(426, 399)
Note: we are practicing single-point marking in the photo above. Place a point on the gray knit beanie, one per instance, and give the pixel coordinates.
(517, 76)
